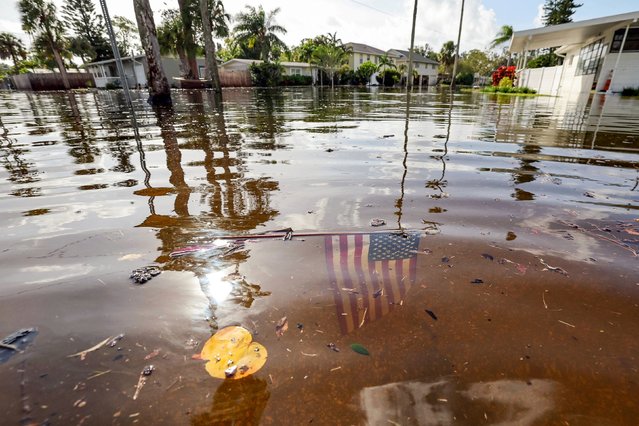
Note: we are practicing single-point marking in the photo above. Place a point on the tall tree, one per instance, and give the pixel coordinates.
(171, 37)
(559, 11)
(188, 9)
(385, 62)
(159, 90)
(12, 47)
(446, 56)
(81, 17)
(504, 35)
(39, 18)
(126, 35)
(330, 58)
(256, 31)
(208, 22)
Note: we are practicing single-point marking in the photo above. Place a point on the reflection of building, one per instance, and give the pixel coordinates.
(600, 53)
(105, 72)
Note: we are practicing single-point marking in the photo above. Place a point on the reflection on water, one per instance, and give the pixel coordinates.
(83, 195)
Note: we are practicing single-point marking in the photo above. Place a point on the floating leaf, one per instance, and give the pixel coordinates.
(233, 346)
(281, 327)
(431, 313)
(359, 349)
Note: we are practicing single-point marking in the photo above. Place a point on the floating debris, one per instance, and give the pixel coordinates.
(387, 136)
(148, 370)
(359, 349)
(510, 236)
(477, 281)
(378, 222)
(281, 327)
(16, 342)
(553, 268)
(378, 293)
(431, 314)
(83, 354)
(115, 340)
(237, 343)
(144, 274)
(487, 256)
(332, 347)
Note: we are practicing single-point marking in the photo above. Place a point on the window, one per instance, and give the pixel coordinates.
(590, 58)
(361, 60)
(296, 71)
(369, 58)
(632, 40)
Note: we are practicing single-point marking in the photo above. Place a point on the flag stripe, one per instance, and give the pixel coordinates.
(345, 255)
(337, 296)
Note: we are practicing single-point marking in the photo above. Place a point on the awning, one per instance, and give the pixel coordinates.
(570, 33)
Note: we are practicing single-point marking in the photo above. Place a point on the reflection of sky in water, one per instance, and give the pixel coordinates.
(48, 273)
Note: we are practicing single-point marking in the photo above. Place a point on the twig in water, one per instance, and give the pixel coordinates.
(543, 299)
(363, 317)
(553, 268)
(565, 323)
(83, 354)
(101, 373)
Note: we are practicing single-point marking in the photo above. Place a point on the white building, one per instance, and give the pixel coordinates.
(426, 68)
(600, 54)
(360, 53)
(105, 72)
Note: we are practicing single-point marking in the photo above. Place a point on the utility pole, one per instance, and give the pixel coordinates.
(409, 77)
(461, 19)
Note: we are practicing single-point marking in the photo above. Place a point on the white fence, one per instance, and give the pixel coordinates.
(545, 81)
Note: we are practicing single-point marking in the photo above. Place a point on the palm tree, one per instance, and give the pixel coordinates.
(11, 47)
(171, 37)
(505, 34)
(446, 55)
(159, 90)
(188, 36)
(330, 58)
(257, 31)
(39, 19)
(385, 62)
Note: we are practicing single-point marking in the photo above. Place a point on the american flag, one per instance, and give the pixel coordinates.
(369, 274)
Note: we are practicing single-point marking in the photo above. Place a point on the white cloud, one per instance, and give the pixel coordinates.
(539, 19)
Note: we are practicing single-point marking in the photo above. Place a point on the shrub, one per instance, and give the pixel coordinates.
(465, 78)
(296, 80)
(388, 77)
(506, 82)
(508, 89)
(630, 91)
(502, 72)
(266, 74)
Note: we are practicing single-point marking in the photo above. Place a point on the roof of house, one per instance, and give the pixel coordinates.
(111, 61)
(570, 33)
(365, 48)
(398, 53)
(259, 61)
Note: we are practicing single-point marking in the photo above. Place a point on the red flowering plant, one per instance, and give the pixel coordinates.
(501, 72)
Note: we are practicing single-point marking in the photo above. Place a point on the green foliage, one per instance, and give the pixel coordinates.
(126, 35)
(385, 62)
(329, 58)
(559, 11)
(508, 89)
(545, 60)
(504, 35)
(256, 33)
(365, 71)
(12, 48)
(465, 78)
(476, 61)
(296, 80)
(505, 83)
(630, 91)
(446, 56)
(266, 74)
(90, 41)
(389, 77)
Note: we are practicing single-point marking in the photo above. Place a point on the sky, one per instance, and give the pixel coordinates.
(384, 24)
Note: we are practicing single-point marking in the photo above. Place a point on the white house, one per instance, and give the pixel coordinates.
(241, 66)
(600, 54)
(360, 53)
(105, 72)
(426, 68)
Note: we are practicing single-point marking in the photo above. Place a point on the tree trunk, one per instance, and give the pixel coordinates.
(184, 62)
(159, 90)
(59, 62)
(209, 47)
(61, 67)
(189, 39)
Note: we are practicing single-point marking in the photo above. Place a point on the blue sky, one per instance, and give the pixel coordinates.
(381, 23)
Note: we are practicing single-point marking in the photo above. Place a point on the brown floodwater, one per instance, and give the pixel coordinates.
(503, 287)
